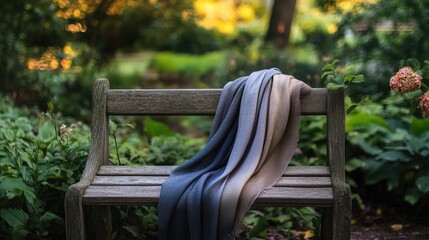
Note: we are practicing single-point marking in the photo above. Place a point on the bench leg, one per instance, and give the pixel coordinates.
(342, 213)
(327, 224)
(99, 223)
(74, 217)
(336, 220)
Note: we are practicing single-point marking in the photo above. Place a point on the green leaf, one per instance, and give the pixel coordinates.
(423, 184)
(358, 79)
(416, 144)
(425, 153)
(16, 218)
(50, 216)
(383, 170)
(156, 128)
(124, 125)
(354, 164)
(413, 197)
(46, 133)
(30, 196)
(364, 120)
(328, 67)
(348, 77)
(413, 63)
(425, 71)
(113, 126)
(327, 73)
(8, 134)
(16, 187)
(338, 79)
(351, 108)
(50, 106)
(259, 228)
(394, 156)
(336, 62)
(334, 86)
(419, 126)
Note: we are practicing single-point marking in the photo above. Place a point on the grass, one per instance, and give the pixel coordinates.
(128, 70)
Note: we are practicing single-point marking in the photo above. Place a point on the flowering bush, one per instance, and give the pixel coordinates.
(406, 80)
(411, 79)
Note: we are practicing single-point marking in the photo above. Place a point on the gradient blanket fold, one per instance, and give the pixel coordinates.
(253, 137)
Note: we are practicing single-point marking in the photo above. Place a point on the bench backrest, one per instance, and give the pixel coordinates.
(188, 102)
(204, 102)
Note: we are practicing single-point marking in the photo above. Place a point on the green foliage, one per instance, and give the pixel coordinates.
(186, 69)
(312, 142)
(335, 80)
(155, 145)
(271, 221)
(127, 70)
(37, 164)
(133, 222)
(392, 153)
(158, 26)
(377, 37)
(40, 158)
(245, 59)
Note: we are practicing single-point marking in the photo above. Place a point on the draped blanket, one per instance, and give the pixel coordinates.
(253, 137)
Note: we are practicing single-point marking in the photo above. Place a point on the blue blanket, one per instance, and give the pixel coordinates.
(253, 137)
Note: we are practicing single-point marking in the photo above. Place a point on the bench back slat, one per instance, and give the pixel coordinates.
(188, 102)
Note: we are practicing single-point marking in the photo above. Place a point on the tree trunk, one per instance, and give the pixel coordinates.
(280, 22)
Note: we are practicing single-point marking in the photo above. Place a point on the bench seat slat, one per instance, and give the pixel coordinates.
(158, 180)
(166, 170)
(123, 195)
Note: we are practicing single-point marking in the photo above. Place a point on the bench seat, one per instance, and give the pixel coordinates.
(141, 185)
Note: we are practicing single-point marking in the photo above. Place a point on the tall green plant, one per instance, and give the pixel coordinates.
(37, 164)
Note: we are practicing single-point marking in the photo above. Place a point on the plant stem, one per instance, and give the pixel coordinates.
(116, 147)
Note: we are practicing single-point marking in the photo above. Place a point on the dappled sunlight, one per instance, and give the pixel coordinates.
(76, 27)
(48, 61)
(76, 9)
(53, 59)
(353, 5)
(79, 9)
(223, 15)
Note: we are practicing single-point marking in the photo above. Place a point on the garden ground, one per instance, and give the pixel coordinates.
(384, 231)
(390, 225)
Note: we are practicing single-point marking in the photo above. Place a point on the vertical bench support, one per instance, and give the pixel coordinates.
(337, 222)
(75, 223)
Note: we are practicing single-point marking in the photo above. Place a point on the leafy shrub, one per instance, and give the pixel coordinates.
(273, 222)
(312, 142)
(391, 149)
(40, 158)
(37, 164)
(155, 144)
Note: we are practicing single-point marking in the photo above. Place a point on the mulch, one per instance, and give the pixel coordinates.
(391, 231)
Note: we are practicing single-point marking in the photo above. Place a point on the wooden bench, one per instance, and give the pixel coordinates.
(102, 185)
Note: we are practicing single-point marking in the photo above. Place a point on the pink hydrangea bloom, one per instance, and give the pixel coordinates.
(424, 104)
(405, 80)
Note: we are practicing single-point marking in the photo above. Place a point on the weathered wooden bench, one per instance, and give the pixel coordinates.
(102, 185)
